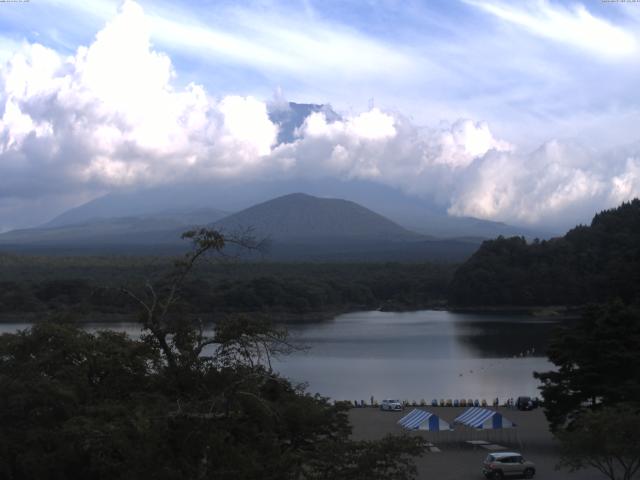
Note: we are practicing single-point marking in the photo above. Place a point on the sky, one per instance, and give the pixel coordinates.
(524, 112)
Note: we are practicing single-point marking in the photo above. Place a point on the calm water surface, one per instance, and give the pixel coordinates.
(425, 354)
(411, 355)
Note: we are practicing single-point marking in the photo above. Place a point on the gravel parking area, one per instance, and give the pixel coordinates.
(458, 460)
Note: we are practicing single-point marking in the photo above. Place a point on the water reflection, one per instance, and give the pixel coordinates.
(517, 336)
(410, 355)
(425, 354)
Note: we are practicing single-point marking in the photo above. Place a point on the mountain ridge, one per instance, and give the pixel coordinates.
(299, 227)
(299, 216)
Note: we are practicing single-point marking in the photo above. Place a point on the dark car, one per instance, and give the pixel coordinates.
(525, 403)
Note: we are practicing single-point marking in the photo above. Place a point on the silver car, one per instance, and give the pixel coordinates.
(392, 405)
(507, 464)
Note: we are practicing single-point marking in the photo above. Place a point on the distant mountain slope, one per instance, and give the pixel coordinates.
(178, 205)
(589, 264)
(159, 228)
(298, 227)
(298, 217)
(414, 213)
(302, 227)
(421, 215)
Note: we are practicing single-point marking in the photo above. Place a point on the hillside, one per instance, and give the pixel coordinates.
(150, 229)
(303, 217)
(300, 227)
(296, 227)
(416, 214)
(589, 264)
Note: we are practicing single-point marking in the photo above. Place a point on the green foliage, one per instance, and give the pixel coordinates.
(598, 364)
(174, 404)
(222, 288)
(390, 458)
(607, 439)
(73, 403)
(77, 405)
(588, 264)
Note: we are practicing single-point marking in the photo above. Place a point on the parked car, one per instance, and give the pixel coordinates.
(392, 405)
(507, 464)
(525, 403)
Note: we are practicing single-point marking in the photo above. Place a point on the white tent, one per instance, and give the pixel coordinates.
(423, 420)
(483, 418)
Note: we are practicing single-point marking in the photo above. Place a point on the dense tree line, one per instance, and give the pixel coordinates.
(589, 264)
(295, 288)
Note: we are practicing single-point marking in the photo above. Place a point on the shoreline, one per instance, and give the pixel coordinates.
(299, 318)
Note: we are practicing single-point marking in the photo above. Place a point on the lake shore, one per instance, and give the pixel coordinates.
(458, 460)
(560, 311)
(293, 318)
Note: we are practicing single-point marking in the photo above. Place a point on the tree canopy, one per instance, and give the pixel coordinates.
(598, 363)
(607, 439)
(589, 264)
(177, 403)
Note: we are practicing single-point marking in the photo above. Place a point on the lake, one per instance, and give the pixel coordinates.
(412, 355)
(425, 354)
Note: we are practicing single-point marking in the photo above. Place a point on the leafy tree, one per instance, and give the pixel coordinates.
(607, 439)
(176, 403)
(598, 364)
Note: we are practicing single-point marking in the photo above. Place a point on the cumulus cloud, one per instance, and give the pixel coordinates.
(111, 115)
(559, 184)
(467, 169)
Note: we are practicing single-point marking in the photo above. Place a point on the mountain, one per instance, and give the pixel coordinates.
(150, 229)
(301, 227)
(178, 205)
(297, 227)
(414, 213)
(290, 116)
(418, 214)
(302, 217)
(589, 264)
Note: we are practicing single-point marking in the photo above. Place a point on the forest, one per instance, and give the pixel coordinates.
(591, 263)
(91, 286)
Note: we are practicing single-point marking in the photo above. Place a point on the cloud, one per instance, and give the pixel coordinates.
(626, 184)
(112, 115)
(557, 185)
(574, 26)
(265, 36)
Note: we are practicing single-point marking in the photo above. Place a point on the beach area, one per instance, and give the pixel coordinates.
(458, 460)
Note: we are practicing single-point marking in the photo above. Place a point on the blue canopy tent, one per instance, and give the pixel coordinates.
(423, 420)
(483, 418)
